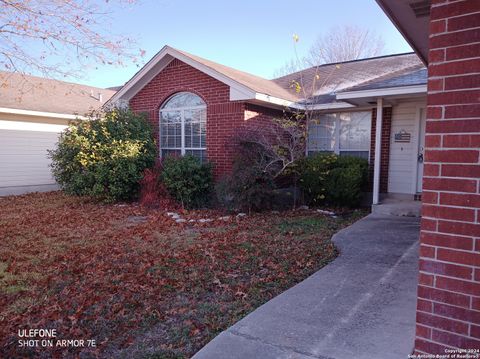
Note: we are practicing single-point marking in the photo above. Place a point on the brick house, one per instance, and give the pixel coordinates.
(418, 140)
(446, 36)
(197, 106)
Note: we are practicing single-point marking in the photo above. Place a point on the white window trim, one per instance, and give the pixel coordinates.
(336, 148)
(182, 110)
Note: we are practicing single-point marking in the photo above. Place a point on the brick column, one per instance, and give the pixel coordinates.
(448, 309)
(385, 155)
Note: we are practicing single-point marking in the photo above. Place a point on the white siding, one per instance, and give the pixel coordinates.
(403, 156)
(23, 153)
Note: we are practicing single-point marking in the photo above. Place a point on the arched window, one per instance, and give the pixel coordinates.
(183, 126)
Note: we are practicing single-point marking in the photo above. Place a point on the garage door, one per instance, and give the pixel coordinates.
(23, 155)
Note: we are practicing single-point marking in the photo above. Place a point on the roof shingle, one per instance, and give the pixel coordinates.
(18, 91)
(256, 83)
(321, 83)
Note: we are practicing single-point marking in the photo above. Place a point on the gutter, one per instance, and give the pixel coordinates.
(63, 116)
(390, 91)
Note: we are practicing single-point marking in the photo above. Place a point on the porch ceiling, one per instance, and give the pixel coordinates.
(411, 17)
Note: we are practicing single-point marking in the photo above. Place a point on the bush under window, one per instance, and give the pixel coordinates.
(334, 180)
(104, 157)
(187, 180)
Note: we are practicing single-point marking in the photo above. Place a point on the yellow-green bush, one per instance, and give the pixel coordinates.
(105, 156)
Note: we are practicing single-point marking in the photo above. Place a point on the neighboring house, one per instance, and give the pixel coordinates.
(446, 36)
(33, 111)
(197, 106)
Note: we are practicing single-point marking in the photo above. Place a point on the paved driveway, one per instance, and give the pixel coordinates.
(360, 306)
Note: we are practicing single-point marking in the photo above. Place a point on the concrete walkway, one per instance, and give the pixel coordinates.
(360, 306)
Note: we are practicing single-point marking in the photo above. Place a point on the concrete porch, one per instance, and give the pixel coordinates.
(402, 207)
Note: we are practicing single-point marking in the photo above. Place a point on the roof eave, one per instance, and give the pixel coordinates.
(411, 28)
(278, 102)
(64, 116)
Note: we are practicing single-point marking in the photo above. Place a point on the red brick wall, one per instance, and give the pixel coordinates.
(448, 309)
(223, 116)
(385, 155)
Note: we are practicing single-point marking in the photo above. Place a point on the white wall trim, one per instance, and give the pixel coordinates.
(17, 111)
(390, 91)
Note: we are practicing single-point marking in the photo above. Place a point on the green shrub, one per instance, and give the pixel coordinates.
(187, 180)
(104, 157)
(314, 171)
(335, 180)
(347, 181)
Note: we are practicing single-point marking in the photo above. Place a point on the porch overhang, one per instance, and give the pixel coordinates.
(379, 97)
(408, 91)
(411, 18)
(361, 98)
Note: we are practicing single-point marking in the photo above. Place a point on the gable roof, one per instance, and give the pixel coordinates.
(243, 85)
(31, 93)
(256, 83)
(332, 78)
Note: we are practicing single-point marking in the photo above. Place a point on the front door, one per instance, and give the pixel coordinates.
(420, 151)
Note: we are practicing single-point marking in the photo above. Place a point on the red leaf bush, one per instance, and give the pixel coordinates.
(153, 193)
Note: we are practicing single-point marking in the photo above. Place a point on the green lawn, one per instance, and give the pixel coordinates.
(140, 284)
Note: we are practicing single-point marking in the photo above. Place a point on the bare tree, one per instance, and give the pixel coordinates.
(275, 147)
(57, 38)
(340, 43)
(289, 67)
(344, 43)
(278, 147)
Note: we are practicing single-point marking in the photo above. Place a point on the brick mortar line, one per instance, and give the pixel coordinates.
(447, 32)
(453, 249)
(451, 305)
(447, 276)
(448, 318)
(447, 290)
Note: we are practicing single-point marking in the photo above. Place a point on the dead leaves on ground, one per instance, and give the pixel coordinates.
(91, 272)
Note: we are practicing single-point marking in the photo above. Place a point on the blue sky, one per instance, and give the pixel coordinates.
(250, 35)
